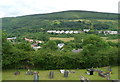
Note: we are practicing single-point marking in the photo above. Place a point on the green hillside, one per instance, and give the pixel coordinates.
(73, 20)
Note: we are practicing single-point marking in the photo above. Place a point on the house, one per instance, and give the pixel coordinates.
(13, 38)
(71, 32)
(61, 31)
(39, 41)
(49, 31)
(76, 50)
(99, 31)
(58, 32)
(60, 45)
(66, 32)
(113, 32)
(29, 40)
(86, 30)
(110, 32)
(80, 31)
(76, 32)
(35, 46)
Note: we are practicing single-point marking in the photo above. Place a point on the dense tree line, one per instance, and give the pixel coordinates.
(96, 53)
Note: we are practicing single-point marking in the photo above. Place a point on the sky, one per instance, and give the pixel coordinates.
(13, 8)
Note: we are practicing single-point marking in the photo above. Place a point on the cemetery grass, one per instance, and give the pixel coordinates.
(44, 75)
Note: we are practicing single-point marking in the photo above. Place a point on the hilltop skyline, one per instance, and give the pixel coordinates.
(13, 8)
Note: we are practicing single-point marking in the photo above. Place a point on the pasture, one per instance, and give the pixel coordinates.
(62, 39)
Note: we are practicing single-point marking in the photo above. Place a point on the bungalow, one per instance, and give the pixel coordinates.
(113, 32)
(49, 31)
(110, 32)
(86, 30)
(66, 32)
(61, 31)
(71, 32)
(76, 32)
(58, 32)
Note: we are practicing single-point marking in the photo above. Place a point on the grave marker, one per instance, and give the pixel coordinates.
(66, 74)
(51, 75)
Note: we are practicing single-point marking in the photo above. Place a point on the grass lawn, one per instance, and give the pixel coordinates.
(44, 75)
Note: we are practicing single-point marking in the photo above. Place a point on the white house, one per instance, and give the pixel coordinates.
(66, 32)
(60, 45)
(86, 30)
(76, 32)
(110, 32)
(71, 32)
(13, 38)
(62, 31)
(113, 32)
(39, 41)
(58, 32)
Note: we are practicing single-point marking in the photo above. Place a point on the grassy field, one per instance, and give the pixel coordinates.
(114, 40)
(72, 38)
(63, 39)
(44, 75)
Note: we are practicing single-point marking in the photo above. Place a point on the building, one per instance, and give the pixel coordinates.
(86, 30)
(29, 40)
(60, 45)
(76, 32)
(76, 50)
(13, 38)
(110, 32)
(35, 46)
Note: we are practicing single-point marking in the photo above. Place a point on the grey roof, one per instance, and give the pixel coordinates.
(76, 50)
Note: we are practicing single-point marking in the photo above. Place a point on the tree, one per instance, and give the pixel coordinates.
(51, 45)
(93, 43)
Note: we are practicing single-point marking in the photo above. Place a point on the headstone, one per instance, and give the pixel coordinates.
(91, 72)
(62, 71)
(66, 74)
(17, 73)
(29, 72)
(51, 75)
(109, 69)
(36, 77)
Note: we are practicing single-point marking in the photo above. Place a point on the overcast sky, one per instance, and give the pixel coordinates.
(12, 8)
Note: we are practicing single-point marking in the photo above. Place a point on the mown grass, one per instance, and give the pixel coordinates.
(44, 75)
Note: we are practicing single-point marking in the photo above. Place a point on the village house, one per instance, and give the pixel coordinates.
(66, 32)
(76, 50)
(113, 32)
(29, 40)
(60, 45)
(62, 31)
(39, 41)
(71, 32)
(35, 46)
(110, 32)
(49, 31)
(13, 38)
(86, 30)
(58, 32)
(76, 32)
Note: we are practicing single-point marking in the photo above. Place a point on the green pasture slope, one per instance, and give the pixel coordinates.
(44, 75)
